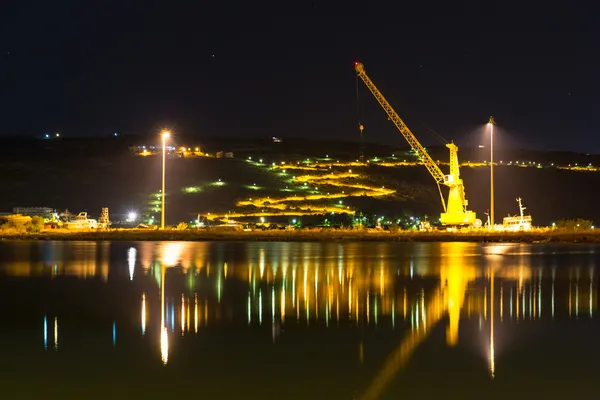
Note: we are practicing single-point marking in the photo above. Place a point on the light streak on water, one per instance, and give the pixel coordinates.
(261, 262)
(540, 298)
(393, 313)
(305, 282)
(417, 315)
(182, 315)
(173, 317)
(591, 295)
(131, 256)
(56, 333)
(423, 317)
(577, 299)
(164, 345)
(530, 301)
(45, 332)
(404, 305)
(294, 285)
(219, 287)
(283, 303)
(196, 312)
(511, 303)
(523, 304)
(368, 307)
(553, 299)
(260, 306)
(501, 302)
(249, 309)
(381, 280)
(114, 333)
(143, 314)
(492, 347)
(375, 311)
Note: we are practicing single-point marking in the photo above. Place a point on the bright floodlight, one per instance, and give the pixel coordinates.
(131, 216)
(165, 134)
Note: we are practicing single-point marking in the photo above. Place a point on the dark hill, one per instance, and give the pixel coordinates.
(87, 174)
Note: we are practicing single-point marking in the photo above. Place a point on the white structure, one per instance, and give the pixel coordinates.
(82, 222)
(518, 223)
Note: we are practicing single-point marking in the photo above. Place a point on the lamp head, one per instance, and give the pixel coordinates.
(491, 121)
(165, 134)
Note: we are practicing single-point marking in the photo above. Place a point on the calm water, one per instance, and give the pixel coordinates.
(299, 320)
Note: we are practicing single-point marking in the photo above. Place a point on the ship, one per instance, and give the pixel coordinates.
(81, 222)
(519, 222)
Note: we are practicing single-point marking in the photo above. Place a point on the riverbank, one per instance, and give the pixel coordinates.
(590, 236)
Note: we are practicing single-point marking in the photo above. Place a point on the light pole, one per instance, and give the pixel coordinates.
(164, 135)
(491, 123)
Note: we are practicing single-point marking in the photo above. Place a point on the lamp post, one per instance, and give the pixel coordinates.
(164, 135)
(491, 123)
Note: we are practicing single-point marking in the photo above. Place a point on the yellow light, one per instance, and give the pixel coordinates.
(165, 134)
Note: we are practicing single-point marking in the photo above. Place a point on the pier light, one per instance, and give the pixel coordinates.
(165, 135)
(491, 124)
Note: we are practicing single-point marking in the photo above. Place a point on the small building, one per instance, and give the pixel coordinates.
(34, 211)
(47, 213)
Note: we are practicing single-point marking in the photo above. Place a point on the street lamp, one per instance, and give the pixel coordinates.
(165, 136)
(491, 123)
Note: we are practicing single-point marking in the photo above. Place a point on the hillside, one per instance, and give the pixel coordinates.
(87, 174)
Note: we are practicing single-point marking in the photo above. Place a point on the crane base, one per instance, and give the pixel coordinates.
(467, 218)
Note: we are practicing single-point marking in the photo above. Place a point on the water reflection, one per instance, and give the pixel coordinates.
(413, 289)
(86, 260)
(131, 255)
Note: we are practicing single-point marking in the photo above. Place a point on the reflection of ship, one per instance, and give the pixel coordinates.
(517, 223)
(81, 222)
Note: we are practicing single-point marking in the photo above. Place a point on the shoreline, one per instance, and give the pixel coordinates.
(590, 236)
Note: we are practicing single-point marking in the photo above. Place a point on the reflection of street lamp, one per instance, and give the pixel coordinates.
(164, 336)
(492, 347)
(491, 123)
(164, 135)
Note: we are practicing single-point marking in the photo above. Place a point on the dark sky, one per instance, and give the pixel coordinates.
(285, 68)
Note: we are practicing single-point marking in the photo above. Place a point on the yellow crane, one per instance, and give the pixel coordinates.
(455, 213)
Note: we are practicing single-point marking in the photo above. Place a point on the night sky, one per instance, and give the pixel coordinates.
(257, 69)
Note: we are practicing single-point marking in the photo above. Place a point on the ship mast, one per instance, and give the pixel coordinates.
(521, 209)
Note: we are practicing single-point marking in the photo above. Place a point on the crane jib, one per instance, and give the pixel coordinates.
(455, 214)
(431, 166)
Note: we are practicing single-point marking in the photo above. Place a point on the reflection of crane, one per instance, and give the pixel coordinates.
(455, 214)
(455, 275)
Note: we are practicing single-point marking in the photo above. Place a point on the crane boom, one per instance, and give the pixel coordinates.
(425, 158)
(456, 213)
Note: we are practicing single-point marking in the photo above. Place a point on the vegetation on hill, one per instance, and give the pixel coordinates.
(88, 174)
